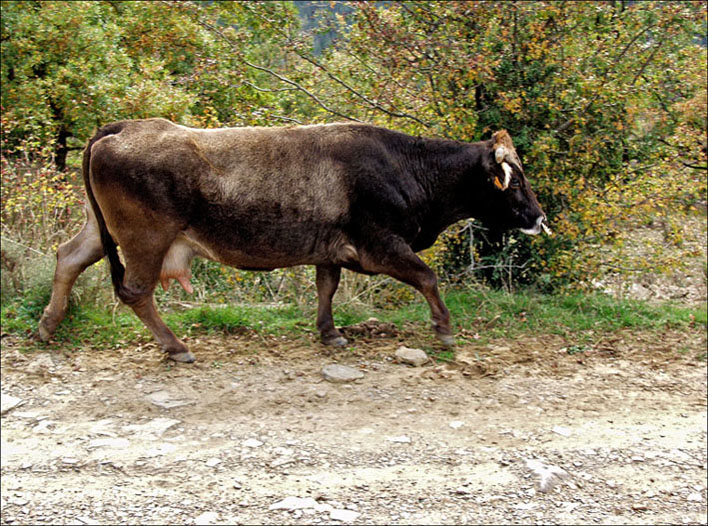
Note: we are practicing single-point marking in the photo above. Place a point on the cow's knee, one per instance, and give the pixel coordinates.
(134, 296)
(75, 255)
(428, 282)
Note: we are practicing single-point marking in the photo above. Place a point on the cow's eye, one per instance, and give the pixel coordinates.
(515, 183)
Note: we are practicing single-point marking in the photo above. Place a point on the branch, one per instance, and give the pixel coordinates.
(694, 166)
(283, 117)
(647, 61)
(363, 97)
(6, 239)
(266, 90)
(239, 55)
(681, 149)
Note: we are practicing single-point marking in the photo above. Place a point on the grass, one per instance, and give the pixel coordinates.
(528, 310)
(483, 314)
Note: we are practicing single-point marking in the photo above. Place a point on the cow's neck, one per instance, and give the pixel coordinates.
(443, 171)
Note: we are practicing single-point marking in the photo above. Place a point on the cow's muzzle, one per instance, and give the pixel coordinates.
(538, 226)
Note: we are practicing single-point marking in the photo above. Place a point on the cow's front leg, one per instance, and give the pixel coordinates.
(398, 260)
(327, 279)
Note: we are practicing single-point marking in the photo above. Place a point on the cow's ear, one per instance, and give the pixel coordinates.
(500, 136)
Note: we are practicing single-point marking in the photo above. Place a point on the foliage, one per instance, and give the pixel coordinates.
(606, 102)
(69, 67)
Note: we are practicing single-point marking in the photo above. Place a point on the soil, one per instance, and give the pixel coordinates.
(108, 437)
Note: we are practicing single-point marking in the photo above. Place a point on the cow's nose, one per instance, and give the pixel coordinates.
(538, 225)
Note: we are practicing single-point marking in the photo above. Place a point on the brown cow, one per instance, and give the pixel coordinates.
(338, 195)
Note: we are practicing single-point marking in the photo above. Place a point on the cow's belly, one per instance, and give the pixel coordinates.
(258, 255)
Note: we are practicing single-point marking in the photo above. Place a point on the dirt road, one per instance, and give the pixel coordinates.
(618, 431)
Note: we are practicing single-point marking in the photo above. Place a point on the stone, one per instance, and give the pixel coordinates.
(694, 497)
(156, 426)
(29, 415)
(100, 428)
(42, 362)
(213, 462)
(562, 431)
(162, 449)
(252, 442)
(341, 373)
(9, 402)
(208, 517)
(294, 503)
(164, 399)
(43, 426)
(346, 516)
(456, 424)
(113, 443)
(548, 476)
(403, 439)
(282, 461)
(414, 357)
(86, 520)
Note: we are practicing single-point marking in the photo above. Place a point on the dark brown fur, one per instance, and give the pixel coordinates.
(341, 195)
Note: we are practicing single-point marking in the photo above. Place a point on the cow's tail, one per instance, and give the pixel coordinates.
(110, 248)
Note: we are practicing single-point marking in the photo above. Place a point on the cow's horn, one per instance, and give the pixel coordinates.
(507, 175)
(500, 153)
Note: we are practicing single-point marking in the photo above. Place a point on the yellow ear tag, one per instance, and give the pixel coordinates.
(498, 183)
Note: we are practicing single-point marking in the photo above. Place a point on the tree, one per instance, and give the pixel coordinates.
(69, 67)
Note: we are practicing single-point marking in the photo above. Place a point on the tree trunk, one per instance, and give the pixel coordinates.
(61, 150)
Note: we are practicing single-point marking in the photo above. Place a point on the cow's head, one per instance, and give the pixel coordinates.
(513, 203)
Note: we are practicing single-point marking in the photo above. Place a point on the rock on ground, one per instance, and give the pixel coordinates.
(414, 357)
(8, 402)
(341, 373)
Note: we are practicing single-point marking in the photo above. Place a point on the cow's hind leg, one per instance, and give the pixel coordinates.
(73, 257)
(144, 307)
(327, 279)
(144, 237)
(142, 271)
(399, 261)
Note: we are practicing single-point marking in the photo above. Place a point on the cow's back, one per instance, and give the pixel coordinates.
(291, 170)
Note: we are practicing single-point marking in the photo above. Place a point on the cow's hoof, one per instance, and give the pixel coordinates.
(181, 356)
(336, 341)
(447, 339)
(43, 333)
